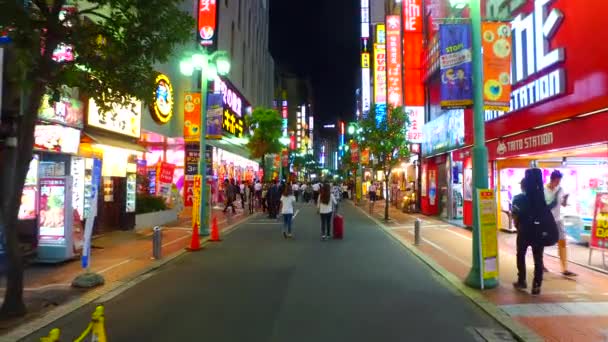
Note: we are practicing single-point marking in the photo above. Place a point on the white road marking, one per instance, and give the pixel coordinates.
(296, 214)
(115, 265)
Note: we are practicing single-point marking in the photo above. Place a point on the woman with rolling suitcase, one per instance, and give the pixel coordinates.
(325, 207)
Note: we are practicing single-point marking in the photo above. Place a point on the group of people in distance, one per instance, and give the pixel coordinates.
(277, 198)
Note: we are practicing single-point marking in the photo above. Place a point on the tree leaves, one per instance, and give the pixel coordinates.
(267, 125)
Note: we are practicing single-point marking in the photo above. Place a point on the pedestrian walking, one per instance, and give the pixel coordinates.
(286, 209)
(296, 190)
(242, 194)
(257, 188)
(534, 224)
(274, 197)
(249, 196)
(556, 198)
(264, 198)
(372, 195)
(315, 192)
(325, 207)
(229, 195)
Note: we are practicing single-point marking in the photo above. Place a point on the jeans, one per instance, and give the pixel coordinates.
(287, 222)
(326, 224)
(537, 252)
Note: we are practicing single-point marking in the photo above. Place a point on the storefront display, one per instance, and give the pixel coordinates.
(55, 224)
(28, 210)
(131, 192)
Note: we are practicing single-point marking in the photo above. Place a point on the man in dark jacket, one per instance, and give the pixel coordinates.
(274, 198)
(230, 194)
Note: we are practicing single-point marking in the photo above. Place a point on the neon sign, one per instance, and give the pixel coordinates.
(162, 107)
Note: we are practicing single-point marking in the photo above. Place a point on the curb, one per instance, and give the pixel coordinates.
(519, 331)
(118, 286)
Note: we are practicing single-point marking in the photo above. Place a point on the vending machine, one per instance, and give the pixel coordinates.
(55, 237)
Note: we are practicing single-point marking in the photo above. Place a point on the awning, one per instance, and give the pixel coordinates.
(105, 140)
(231, 147)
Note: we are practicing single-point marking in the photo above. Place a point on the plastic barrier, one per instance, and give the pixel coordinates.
(96, 329)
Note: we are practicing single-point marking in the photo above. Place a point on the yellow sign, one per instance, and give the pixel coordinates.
(196, 202)
(162, 106)
(488, 232)
(119, 119)
(365, 64)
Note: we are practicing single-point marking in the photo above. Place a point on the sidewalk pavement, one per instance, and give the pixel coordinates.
(118, 256)
(568, 309)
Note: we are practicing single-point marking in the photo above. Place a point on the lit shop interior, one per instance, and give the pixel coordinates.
(585, 173)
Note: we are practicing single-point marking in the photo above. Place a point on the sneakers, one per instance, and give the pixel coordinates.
(289, 235)
(520, 285)
(569, 274)
(535, 290)
(323, 237)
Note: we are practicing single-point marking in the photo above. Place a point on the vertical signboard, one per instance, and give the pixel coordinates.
(393, 61)
(365, 71)
(488, 233)
(599, 230)
(196, 202)
(192, 116)
(455, 62)
(412, 52)
(496, 45)
(380, 72)
(207, 23)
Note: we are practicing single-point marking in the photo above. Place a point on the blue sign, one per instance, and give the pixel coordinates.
(215, 111)
(380, 113)
(444, 133)
(456, 66)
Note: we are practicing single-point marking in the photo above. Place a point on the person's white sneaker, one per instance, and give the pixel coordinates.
(323, 237)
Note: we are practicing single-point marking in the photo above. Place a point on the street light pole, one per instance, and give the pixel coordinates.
(202, 159)
(479, 151)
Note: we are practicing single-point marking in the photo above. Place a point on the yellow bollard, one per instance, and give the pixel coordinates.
(53, 336)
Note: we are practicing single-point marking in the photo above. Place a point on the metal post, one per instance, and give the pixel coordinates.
(480, 152)
(417, 225)
(202, 163)
(157, 242)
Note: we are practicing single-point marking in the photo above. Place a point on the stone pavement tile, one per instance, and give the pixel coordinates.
(568, 328)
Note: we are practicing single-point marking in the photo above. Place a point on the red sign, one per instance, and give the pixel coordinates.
(285, 158)
(551, 138)
(554, 74)
(166, 173)
(192, 116)
(354, 152)
(412, 14)
(393, 61)
(599, 230)
(207, 22)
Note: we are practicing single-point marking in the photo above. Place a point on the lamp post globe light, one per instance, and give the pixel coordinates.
(475, 277)
(210, 65)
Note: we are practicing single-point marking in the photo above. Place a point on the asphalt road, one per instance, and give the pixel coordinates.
(256, 286)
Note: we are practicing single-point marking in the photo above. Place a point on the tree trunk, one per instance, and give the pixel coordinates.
(386, 199)
(263, 168)
(16, 156)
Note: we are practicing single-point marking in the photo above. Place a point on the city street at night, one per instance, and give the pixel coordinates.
(257, 286)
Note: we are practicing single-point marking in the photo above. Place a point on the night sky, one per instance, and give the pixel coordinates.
(319, 39)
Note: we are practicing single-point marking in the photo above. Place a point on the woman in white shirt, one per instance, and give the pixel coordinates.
(287, 201)
(325, 206)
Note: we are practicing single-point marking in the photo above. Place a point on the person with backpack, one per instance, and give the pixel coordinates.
(286, 207)
(325, 207)
(555, 198)
(536, 228)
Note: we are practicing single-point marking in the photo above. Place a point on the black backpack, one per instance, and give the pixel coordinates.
(540, 225)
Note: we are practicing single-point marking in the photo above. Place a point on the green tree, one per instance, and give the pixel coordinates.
(387, 141)
(267, 125)
(116, 43)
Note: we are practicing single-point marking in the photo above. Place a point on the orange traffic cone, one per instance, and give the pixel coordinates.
(215, 232)
(195, 243)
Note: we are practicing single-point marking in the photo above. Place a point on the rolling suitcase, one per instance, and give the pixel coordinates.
(338, 226)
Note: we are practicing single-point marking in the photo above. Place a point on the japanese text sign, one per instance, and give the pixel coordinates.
(393, 62)
(488, 229)
(599, 230)
(207, 22)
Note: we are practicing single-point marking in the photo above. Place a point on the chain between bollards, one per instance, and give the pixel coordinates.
(417, 225)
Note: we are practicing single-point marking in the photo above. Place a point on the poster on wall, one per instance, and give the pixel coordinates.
(488, 228)
(67, 111)
(599, 230)
(53, 196)
(455, 62)
(28, 210)
(432, 186)
(468, 184)
(423, 188)
(165, 178)
(496, 44)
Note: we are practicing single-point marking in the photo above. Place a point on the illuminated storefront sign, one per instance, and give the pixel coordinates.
(393, 63)
(379, 74)
(365, 68)
(207, 22)
(67, 111)
(444, 133)
(56, 138)
(285, 114)
(533, 55)
(412, 14)
(414, 131)
(124, 120)
(412, 50)
(364, 18)
(162, 107)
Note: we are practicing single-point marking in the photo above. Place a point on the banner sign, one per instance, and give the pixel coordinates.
(379, 74)
(285, 158)
(354, 152)
(488, 233)
(166, 173)
(196, 201)
(207, 23)
(192, 116)
(393, 63)
(365, 156)
(414, 131)
(455, 62)
(599, 230)
(496, 44)
(214, 116)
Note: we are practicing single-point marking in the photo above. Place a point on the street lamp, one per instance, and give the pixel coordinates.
(480, 152)
(210, 66)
